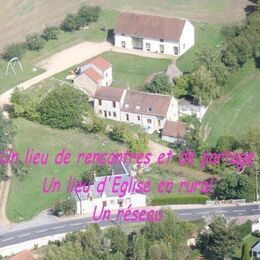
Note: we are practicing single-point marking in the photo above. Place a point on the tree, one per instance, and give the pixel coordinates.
(182, 86)
(14, 50)
(160, 250)
(245, 252)
(138, 144)
(50, 33)
(204, 87)
(160, 84)
(88, 176)
(88, 14)
(139, 251)
(63, 108)
(71, 23)
(220, 241)
(118, 239)
(64, 207)
(34, 42)
(94, 124)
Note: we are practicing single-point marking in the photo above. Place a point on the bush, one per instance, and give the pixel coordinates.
(34, 42)
(118, 133)
(64, 207)
(245, 229)
(63, 108)
(94, 125)
(88, 14)
(175, 199)
(71, 23)
(50, 33)
(14, 50)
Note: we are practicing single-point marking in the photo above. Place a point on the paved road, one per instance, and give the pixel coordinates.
(15, 237)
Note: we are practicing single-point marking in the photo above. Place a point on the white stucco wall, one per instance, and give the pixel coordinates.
(187, 39)
(108, 77)
(107, 106)
(172, 113)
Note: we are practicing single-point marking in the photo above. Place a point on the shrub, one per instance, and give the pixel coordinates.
(94, 125)
(34, 42)
(63, 108)
(175, 199)
(245, 229)
(14, 50)
(118, 133)
(50, 33)
(71, 23)
(64, 207)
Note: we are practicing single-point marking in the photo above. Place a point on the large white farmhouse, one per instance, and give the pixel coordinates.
(148, 110)
(150, 33)
(87, 201)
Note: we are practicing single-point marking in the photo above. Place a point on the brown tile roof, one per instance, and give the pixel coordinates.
(93, 74)
(109, 93)
(174, 129)
(146, 103)
(24, 255)
(150, 26)
(100, 63)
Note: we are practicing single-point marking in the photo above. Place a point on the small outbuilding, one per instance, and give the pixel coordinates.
(174, 132)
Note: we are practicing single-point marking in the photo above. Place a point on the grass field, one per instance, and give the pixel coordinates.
(237, 110)
(33, 15)
(206, 36)
(26, 197)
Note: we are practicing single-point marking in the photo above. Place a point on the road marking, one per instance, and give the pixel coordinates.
(25, 235)
(255, 209)
(184, 214)
(76, 224)
(41, 231)
(220, 211)
(205, 212)
(239, 210)
(7, 239)
(58, 227)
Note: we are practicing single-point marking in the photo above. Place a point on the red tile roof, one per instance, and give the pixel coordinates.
(24, 255)
(150, 26)
(145, 103)
(100, 63)
(93, 74)
(109, 93)
(174, 129)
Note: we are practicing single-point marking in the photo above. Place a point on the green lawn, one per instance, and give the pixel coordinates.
(206, 36)
(66, 39)
(237, 110)
(26, 197)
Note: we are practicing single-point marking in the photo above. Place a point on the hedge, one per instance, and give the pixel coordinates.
(169, 200)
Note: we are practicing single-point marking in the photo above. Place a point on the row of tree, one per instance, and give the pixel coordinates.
(35, 41)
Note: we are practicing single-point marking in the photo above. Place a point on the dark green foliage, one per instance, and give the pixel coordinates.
(34, 42)
(14, 50)
(50, 33)
(118, 239)
(118, 133)
(245, 229)
(139, 251)
(63, 108)
(182, 86)
(88, 176)
(160, 250)
(245, 252)
(64, 207)
(220, 241)
(160, 84)
(71, 23)
(88, 14)
(233, 186)
(170, 200)
(94, 124)
(227, 143)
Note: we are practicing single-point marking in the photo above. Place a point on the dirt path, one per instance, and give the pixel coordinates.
(156, 149)
(60, 62)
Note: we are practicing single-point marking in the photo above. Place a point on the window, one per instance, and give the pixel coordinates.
(114, 114)
(176, 50)
(100, 102)
(149, 109)
(127, 117)
(114, 104)
(149, 121)
(138, 107)
(161, 40)
(126, 105)
(100, 112)
(138, 118)
(159, 123)
(184, 46)
(148, 46)
(123, 44)
(109, 113)
(112, 202)
(106, 74)
(161, 49)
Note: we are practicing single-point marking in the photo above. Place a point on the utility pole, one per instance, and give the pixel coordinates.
(256, 177)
